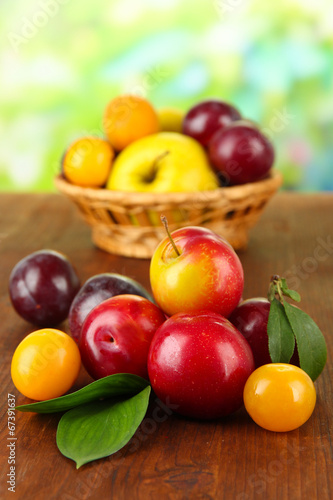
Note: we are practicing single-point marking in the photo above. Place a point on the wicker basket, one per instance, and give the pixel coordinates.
(129, 224)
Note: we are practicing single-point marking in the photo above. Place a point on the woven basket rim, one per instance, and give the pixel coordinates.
(272, 181)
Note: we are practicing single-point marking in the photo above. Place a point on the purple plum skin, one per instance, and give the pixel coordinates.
(42, 286)
(251, 317)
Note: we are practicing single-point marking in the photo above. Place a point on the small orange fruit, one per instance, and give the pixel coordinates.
(45, 364)
(87, 162)
(128, 118)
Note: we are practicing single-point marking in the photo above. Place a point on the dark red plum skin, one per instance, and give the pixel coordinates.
(42, 286)
(206, 117)
(241, 153)
(250, 318)
(97, 289)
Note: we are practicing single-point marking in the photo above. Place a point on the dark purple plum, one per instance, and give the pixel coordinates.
(42, 286)
(204, 119)
(250, 317)
(241, 153)
(97, 289)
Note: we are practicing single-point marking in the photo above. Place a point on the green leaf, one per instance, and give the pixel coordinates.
(120, 384)
(281, 340)
(311, 343)
(292, 294)
(98, 429)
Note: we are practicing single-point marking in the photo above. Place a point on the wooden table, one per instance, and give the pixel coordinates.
(173, 457)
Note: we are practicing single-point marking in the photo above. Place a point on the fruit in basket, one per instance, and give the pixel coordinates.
(97, 289)
(87, 162)
(171, 119)
(206, 117)
(116, 335)
(250, 317)
(42, 286)
(199, 363)
(163, 162)
(127, 118)
(279, 397)
(241, 153)
(45, 364)
(194, 269)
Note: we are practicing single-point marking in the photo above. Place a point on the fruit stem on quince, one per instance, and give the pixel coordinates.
(152, 175)
(160, 157)
(165, 224)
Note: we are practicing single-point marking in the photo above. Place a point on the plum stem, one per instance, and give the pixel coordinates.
(275, 288)
(165, 224)
(279, 286)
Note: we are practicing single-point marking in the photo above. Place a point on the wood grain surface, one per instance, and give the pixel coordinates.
(171, 457)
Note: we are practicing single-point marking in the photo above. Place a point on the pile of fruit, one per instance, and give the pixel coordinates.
(148, 150)
(195, 342)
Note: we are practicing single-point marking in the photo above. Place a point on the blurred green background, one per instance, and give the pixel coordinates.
(63, 60)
